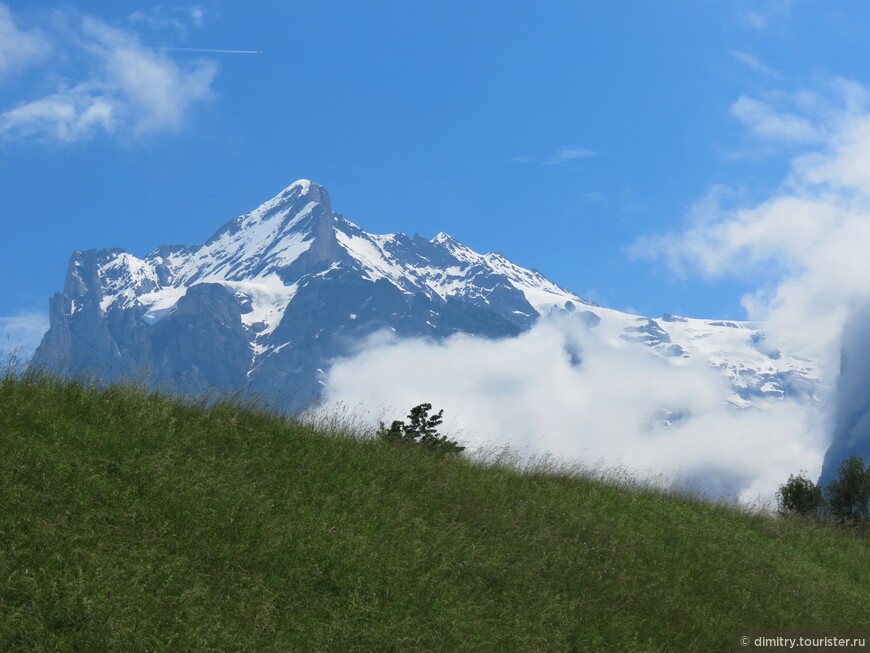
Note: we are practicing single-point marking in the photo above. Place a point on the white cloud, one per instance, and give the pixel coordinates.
(526, 393)
(751, 62)
(157, 90)
(768, 123)
(764, 12)
(809, 240)
(125, 89)
(562, 155)
(756, 20)
(20, 333)
(566, 154)
(196, 14)
(18, 48)
(67, 116)
(174, 18)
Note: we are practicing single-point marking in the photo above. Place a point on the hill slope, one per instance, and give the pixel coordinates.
(131, 522)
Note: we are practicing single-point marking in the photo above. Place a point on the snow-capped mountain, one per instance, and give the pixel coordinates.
(275, 295)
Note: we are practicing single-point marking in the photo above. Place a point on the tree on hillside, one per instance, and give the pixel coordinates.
(422, 431)
(799, 495)
(849, 494)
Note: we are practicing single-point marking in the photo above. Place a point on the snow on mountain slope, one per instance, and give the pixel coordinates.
(305, 283)
(736, 348)
(246, 254)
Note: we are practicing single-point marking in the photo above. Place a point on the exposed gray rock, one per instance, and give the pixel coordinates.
(650, 333)
(852, 420)
(590, 319)
(672, 351)
(758, 341)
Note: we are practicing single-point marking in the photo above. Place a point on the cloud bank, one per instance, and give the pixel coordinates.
(559, 389)
(809, 239)
(118, 86)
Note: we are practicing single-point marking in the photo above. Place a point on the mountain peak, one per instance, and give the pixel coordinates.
(304, 184)
(301, 189)
(441, 238)
(277, 294)
(300, 199)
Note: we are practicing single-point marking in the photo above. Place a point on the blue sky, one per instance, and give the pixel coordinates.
(572, 137)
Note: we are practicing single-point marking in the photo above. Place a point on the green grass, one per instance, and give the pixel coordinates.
(133, 522)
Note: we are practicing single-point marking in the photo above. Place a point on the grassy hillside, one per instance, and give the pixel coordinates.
(132, 522)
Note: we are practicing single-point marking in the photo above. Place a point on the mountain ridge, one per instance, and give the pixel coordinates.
(292, 285)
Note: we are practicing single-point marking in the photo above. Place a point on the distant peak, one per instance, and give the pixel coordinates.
(304, 185)
(301, 189)
(444, 238)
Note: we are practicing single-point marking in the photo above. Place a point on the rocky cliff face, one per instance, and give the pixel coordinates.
(274, 296)
(852, 411)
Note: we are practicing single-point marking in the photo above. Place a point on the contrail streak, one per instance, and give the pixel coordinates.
(211, 50)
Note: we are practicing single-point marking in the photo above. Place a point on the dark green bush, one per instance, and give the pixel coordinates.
(799, 495)
(422, 431)
(849, 494)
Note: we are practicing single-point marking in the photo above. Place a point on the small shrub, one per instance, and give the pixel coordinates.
(422, 431)
(799, 495)
(849, 493)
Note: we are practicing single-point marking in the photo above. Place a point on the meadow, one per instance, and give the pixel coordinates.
(130, 521)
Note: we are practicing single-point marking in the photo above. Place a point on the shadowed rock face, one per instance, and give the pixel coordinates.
(266, 304)
(852, 423)
(202, 345)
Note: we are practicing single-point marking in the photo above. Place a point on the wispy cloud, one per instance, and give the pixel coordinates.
(751, 62)
(768, 123)
(562, 155)
(763, 13)
(67, 116)
(179, 19)
(19, 48)
(566, 154)
(123, 88)
(210, 50)
(20, 333)
(756, 20)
